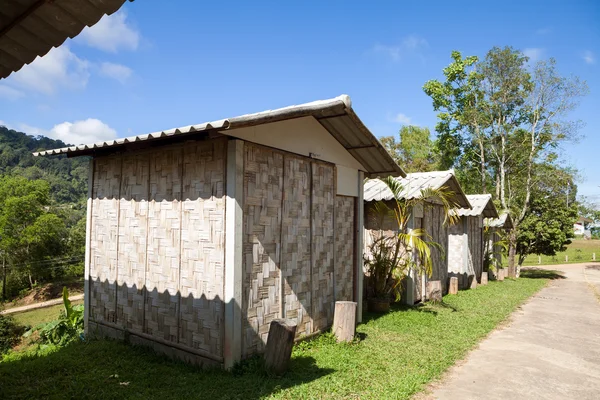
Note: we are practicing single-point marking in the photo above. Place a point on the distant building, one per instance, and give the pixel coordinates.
(581, 227)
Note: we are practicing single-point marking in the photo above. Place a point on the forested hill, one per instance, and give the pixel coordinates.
(67, 176)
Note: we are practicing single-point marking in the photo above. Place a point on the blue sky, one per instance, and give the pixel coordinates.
(152, 67)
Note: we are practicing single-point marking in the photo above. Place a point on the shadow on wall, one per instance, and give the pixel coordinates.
(113, 370)
(538, 273)
(183, 327)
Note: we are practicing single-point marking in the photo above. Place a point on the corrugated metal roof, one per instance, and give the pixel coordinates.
(413, 183)
(504, 221)
(30, 28)
(481, 204)
(336, 115)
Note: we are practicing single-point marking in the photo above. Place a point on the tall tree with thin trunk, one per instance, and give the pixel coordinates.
(513, 116)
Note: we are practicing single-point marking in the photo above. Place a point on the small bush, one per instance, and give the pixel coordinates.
(68, 328)
(10, 333)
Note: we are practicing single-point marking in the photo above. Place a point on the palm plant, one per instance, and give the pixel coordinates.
(393, 252)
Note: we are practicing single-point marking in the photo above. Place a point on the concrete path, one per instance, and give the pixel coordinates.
(550, 349)
(43, 304)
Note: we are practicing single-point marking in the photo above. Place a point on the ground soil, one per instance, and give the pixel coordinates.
(47, 291)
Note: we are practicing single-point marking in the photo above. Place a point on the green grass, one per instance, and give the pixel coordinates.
(579, 251)
(41, 315)
(395, 356)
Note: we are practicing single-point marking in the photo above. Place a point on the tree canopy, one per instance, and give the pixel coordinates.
(414, 152)
(501, 123)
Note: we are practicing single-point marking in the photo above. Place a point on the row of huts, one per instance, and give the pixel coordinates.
(462, 247)
(198, 237)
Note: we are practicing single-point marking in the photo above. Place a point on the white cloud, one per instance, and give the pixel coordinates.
(534, 53)
(90, 130)
(111, 34)
(414, 42)
(7, 92)
(543, 31)
(589, 58)
(31, 130)
(409, 44)
(118, 72)
(401, 119)
(59, 68)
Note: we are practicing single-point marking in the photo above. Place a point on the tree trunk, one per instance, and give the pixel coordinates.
(30, 281)
(502, 166)
(482, 170)
(3, 278)
(344, 321)
(512, 252)
(279, 345)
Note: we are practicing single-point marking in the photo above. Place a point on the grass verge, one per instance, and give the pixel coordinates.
(395, 356)
(579, 251)
(41, 315)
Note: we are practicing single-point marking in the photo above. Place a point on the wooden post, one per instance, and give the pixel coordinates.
(232, 329)
(593, 256)
(539, 259)
(344, 321)
(434, 291)
(473, 282)
(484, 278)
(279, 345)
(453, 287)
(566, 258)
(500, 274)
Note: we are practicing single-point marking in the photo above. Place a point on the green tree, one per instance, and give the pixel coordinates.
(587, 209)
(548, 226)
(508, 117)
(30, 234)
(414, 151)
(462, 120)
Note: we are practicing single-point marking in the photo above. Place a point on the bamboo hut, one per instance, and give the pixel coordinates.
(427, 215)
(466, 241)
(198, 237)
(494, 228)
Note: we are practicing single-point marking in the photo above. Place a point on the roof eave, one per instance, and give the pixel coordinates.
(320, 110)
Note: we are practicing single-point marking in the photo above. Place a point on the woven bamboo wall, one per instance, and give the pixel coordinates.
(418, 286)
(157, 230)
(201, 280)
(345, 208)
(103, 246)
(433, 223)
(288, 243)
(133, 223)
(323, 194)
(456, 261)
(475, 234)
(295, 239)
(263, 190)
(164, 224)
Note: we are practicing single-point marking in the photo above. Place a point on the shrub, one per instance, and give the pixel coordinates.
(10, 333)
(68, 328)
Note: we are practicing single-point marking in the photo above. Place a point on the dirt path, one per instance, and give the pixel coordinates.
(39, 305)
(550, 350)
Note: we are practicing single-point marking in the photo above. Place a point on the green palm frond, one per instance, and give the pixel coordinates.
(398, 248)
